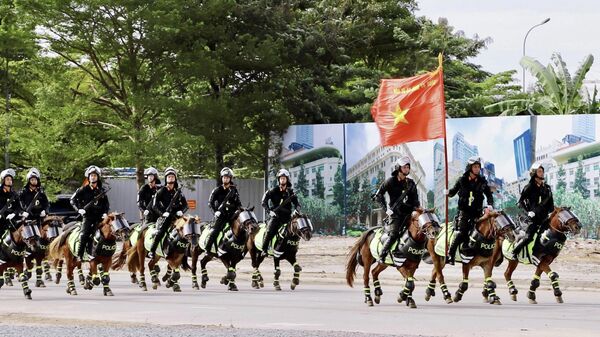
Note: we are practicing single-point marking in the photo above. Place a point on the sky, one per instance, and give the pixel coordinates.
(573, 30)
(494, 138)
(556, 127)
(320, 134)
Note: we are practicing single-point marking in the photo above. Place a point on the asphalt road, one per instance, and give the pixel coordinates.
(311, 310)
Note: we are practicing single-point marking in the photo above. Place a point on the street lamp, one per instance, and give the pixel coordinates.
(525, 40)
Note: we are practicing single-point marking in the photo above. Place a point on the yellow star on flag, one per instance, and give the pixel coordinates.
(400, 115)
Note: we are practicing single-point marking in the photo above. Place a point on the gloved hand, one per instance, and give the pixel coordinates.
(446, 192)
(81, 211)
(217, 214)
(272, 214)
(490, 208)
(104, 216)
(389, 212)
(179, 213)
(296, 212)
(25, 214)
(146, 212)
(42, 214)
(10, 216)
(166, 214)
(531, 214)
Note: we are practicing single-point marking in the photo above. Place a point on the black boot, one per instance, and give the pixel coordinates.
(518, 247)
(211, 242)
(452, 251)
(152, 252)
(386, 249)
(82, 247)
(266, 243)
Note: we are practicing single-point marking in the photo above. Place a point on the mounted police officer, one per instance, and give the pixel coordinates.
(278, 203)
(39, 207)
(146, 195)
(471, 187)
(224, 201)
(399, 185)
(92, 193)
(162, 199)
(9, 204)
(537, 201)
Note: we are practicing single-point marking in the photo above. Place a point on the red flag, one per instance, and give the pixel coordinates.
(411, 109)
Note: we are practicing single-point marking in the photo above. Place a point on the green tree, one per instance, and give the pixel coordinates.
(558, 92)
(302, 184)
(338, 188)
(430, 199)
(319, 185)
(580, 184)
(561, 179)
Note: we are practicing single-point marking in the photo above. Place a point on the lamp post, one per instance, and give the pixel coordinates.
(525, 40)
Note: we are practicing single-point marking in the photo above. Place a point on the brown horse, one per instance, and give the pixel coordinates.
(135, 253)
(51, 227)
(484, 252)
(422, 227)
(545, 248)
(13, 248)
(299, 227)
(235, 245)
(107, 232)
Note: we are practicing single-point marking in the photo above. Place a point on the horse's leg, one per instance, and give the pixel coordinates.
(80, 273)
(39, 272)
(276, 274)
(255, 265)
(430, 291)
(23, 279)
(93, 279)
(535, 283)
(168, 273)
(29, 265)
(203, 270)
(408, 271)
(7, 277)
(59, 267)
(512, 289)
(141, 256)
(297, 269)
(367, 261)
(231, 275)
(545, 265)
(173, 264)
(489, 284)
(46, 267)
(375, 274)
(153, 272)
(2, 270)
(106, 276)
(464, 285)
(70, 260)
(194, 267)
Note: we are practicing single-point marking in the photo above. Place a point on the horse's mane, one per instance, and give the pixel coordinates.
(179, 223)
(51, 218)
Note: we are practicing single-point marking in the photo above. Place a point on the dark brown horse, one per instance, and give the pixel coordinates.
(107, 232)
(14, 246)
(135, 250)
(484, 252)
(51, 227)
(235, 245)
(422, 227)
(300, 227)
(545, 248)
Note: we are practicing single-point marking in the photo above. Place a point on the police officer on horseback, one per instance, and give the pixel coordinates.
(146, 195)
(38, 208)
(404, 199)
(471, 188)
(162, 200)
(91, 202)
(278, 203)
(224, 201)
(537, 201)
(9, 205)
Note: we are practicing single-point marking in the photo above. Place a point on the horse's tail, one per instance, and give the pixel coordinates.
(119, 260)
(353, 256)
(54, 248)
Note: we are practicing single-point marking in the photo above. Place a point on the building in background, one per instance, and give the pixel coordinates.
(522, 150)
(584, 126)
(568, 158)
(461, 149)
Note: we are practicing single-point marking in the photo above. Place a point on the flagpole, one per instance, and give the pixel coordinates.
(440, 58)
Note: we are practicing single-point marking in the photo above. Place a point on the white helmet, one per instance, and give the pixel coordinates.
(541, 164)
(169, 171)
(151, 171)
(472, 161)
(284, 173)
(6, 173)
(399, 164)
(226, 171)
(33, 172)
(93, 169)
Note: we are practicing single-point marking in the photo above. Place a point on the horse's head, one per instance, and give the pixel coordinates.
(486, 225)
(114, 226)
(426, 222)
(189, 228)
(505, 226)
(246, 220)
(29, 233)
(51, 227)
(301, 225)
(563, 220)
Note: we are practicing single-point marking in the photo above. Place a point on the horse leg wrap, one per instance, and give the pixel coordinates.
(297, 268)
(38, 273)
(512, 289)
(231, 273)
(410, 285)
(463, 286)
(430, 291)
(555, 285)
(204, 275)
(378, 291)
(535, 283)
(194, 278)
(367, 292)
(490, 285)
(176, 275)
(23, 277)
(25, 287)
(1, 282)
(96, 279)
(255, 276)
(105, 278)
(277, 272)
